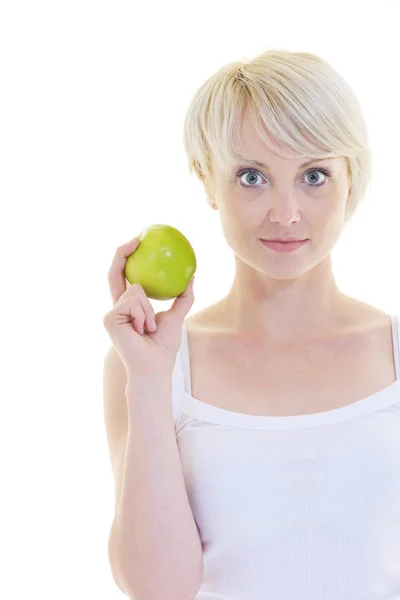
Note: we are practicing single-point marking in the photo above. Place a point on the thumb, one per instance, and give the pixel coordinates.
(184, 301)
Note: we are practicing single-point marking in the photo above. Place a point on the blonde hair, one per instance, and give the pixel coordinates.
(295, 97)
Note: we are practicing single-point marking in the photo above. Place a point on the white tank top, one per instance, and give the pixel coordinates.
(303, 507)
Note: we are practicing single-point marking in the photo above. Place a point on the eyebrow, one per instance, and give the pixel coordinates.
(305, 164)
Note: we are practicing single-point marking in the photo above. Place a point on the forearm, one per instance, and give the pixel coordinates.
(155, 541)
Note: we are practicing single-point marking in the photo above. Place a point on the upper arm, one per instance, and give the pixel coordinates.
(115, 416)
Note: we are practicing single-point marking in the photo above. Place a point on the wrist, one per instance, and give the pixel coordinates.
(145, 381)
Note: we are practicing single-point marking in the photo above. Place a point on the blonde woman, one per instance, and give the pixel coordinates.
(276, 473)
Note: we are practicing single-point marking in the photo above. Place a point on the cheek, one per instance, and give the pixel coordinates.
(239, 214)
(327, 209)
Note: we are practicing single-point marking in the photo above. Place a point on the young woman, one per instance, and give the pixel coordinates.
(286, 393)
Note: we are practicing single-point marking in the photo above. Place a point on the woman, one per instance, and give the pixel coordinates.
(288, 426)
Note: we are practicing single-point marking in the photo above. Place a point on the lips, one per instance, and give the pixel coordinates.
(284, 246)
(285, 241)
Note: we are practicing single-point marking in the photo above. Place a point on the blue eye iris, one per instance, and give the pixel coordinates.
(252, 174)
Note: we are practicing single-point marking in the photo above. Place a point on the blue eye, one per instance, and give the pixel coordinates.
(257, 174)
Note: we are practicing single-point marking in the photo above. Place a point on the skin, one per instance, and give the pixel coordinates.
(285, 296)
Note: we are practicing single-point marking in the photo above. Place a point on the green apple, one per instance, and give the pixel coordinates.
(163, 263)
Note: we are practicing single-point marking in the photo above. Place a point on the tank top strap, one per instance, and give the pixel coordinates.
(187, 380)
(396, 342)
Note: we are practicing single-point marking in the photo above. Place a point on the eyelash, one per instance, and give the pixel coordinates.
(324, 171)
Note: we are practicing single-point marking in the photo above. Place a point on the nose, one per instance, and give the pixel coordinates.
(284, 209)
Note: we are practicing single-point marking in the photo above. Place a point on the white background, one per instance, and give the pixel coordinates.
(93, 97)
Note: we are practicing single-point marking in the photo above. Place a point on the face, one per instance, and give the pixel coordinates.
(277, 200)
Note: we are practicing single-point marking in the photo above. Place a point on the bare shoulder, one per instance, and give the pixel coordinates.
(208, 318)
(368, 319)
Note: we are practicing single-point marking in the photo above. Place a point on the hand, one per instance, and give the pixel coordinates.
(142, 350)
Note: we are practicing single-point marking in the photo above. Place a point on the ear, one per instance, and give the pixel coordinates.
(212, 203)
(210, 196)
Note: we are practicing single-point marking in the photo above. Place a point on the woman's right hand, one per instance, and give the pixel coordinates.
(128, 324)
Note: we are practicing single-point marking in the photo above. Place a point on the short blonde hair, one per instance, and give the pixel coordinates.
(297, 98)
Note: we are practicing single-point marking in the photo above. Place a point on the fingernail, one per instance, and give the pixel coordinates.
(152, 326)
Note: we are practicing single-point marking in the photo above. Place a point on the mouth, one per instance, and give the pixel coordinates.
(284, 246)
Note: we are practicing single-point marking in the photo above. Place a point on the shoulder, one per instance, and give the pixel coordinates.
(368, 318)
(209, 318)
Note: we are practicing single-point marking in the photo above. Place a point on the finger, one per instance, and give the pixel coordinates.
(116, 274)
(137, 291)
(135, 308)
(128, 311)
(184, 301)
